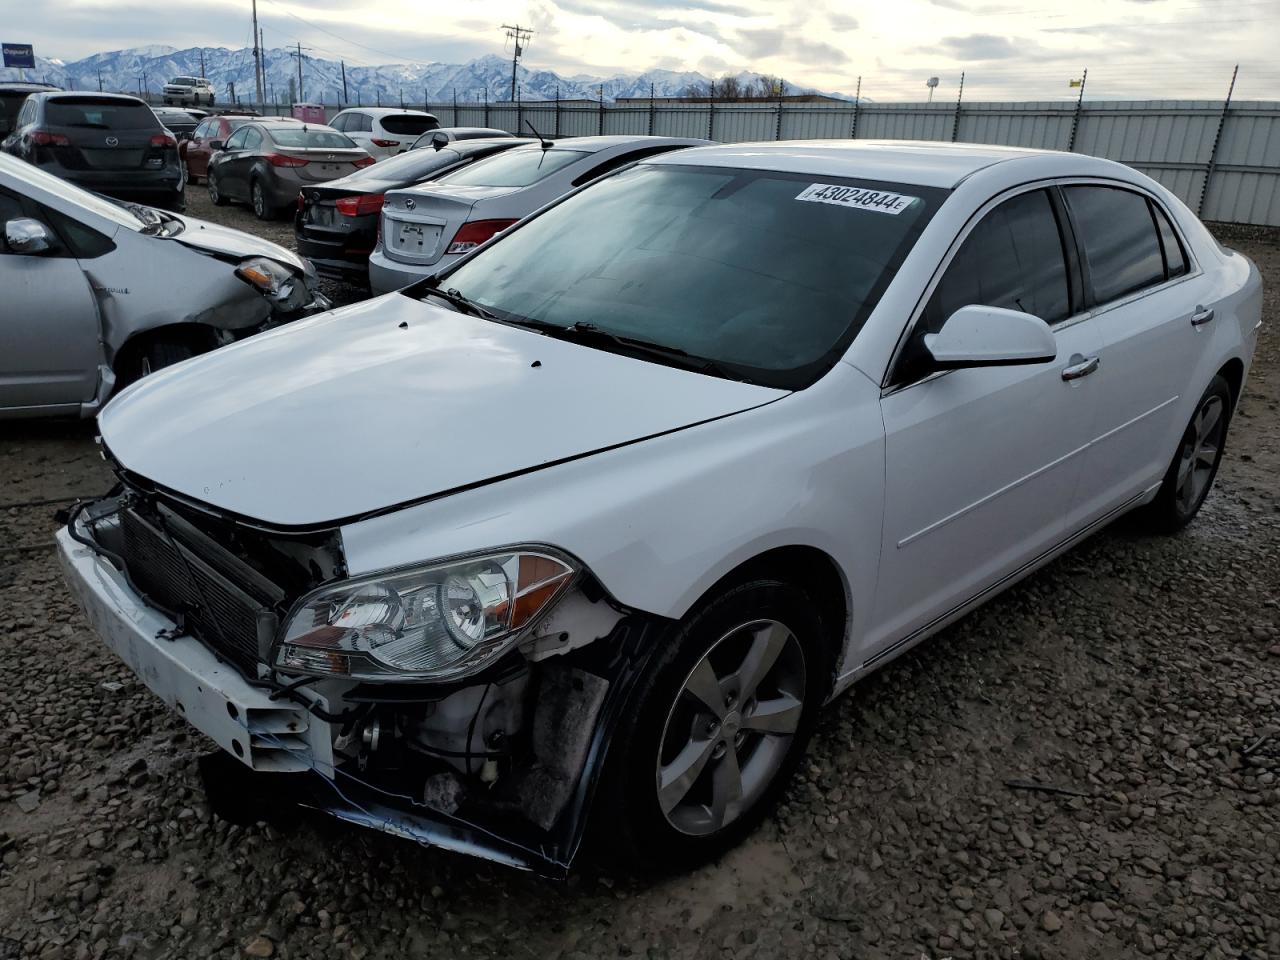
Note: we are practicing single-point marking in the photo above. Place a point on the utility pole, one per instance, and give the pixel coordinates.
(301, 97)
(1217, 139)
(519, 35)
(99, 79)
(345, 98)
(202, 64)
(955, 123)
(258, 73)
(1075, 117)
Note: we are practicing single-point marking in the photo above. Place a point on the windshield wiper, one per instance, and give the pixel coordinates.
(454, 297)
(590, 334)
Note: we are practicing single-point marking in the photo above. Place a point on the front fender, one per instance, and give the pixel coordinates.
(660, 521)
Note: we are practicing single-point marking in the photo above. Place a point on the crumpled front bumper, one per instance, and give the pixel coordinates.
(283, 739)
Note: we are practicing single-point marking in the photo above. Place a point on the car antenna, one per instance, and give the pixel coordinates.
(546, 144)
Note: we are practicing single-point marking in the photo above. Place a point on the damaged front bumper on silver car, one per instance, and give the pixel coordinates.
(377, 755)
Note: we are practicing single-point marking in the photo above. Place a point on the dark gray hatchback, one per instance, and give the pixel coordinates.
(108, 143)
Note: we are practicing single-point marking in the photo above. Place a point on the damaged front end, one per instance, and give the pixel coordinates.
(466, 704)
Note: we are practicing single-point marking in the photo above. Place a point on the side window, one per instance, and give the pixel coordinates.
(1121, 246)
(252, 138)
(1175, 258)
(366, 123)
(10, 208)
(27, 113)
(1013, 258)
(237, 139)
(340, 121)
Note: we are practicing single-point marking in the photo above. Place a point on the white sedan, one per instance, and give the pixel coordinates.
(614, 505)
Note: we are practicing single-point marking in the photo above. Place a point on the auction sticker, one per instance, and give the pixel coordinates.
(859, 198)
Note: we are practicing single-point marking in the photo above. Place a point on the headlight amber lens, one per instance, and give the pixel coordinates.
(432, 622)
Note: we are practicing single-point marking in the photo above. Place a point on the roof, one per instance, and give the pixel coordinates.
(922, 162)
(386, 111)
(27, 86)
(53, 93)
(593, 144)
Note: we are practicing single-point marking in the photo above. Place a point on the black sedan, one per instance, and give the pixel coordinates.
(337, 224)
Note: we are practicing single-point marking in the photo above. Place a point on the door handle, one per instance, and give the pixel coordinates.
(1201, 316)
(1080, 367)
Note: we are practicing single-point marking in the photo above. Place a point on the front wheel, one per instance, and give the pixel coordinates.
(1195, 464)
(719, 724)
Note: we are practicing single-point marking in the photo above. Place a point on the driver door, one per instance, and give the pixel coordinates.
(233, 162)
(982, 463)
(49, 332)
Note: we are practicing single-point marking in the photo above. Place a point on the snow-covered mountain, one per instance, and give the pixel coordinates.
(129, 71)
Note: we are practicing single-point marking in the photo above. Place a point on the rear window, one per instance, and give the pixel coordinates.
(100, 114)
(409, 125)
(517, 168)
(298, 137)
(415, 165)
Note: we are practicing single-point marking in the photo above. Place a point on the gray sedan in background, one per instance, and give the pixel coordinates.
(95, 293)
(267, 164)
(427, 227)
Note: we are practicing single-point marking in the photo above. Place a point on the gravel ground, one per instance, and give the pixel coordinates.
(1142, 676)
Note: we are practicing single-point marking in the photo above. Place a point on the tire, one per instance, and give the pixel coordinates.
(162, 353)
(1190, 476)
(216, 196)
(262, 208)
(675, 763)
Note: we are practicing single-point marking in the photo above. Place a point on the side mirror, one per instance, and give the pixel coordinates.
(217, 144)
(23, 235)
(976, 336)
(439, 140)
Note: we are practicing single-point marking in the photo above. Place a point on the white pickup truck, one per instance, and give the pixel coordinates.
(189, 91)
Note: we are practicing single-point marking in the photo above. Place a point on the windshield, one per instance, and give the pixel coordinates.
(516, 168)
(300, 137)
(767, 275)
(100, 114)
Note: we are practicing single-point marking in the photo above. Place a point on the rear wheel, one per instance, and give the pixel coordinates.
(719, 724)
(1195, 465)
(262, 207)
(215, 194)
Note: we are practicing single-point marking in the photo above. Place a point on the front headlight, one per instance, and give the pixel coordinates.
(434, 622)
(272, 280)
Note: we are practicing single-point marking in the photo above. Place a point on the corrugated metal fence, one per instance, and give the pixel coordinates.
(1225, 164)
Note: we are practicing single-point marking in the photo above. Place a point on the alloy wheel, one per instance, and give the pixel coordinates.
(213, 189)
(730, 728)
(1201, 446)
(259, 201)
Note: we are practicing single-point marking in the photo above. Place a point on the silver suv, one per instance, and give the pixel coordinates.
(188, 91)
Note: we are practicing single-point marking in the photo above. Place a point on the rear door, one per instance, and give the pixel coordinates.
(48, 324)
(234, 160)
(981, 464)
(1145, 294)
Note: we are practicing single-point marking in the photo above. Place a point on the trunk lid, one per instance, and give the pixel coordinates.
(324, 163)
(418, 224)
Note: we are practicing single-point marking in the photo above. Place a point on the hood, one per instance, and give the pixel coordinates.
(387, 402)
(228, 242)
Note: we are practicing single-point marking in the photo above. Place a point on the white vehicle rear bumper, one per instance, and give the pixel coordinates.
(265, 734)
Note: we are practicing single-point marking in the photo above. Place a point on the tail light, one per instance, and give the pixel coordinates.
(471, 235)
(384, 143)
(280, 160)
(359, 206)
(366, 162)
(43, 138)
(163, 140)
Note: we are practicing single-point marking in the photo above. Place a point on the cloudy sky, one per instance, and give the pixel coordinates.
(1156, 48)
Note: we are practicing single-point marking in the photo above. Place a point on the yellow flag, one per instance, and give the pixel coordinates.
(1075, 83)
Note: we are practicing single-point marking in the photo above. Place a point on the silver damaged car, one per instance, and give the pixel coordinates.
(95, 293)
